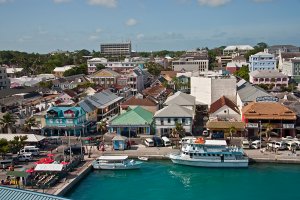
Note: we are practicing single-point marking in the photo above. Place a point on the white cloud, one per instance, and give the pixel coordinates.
(93, 37)
(140, 36)
(99, 30)
(106, 3)
(131, 22)
(5, 1)
(213, 3)
(61, 1)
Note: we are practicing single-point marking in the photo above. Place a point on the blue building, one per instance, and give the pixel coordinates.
(262, 61)
(65, 121)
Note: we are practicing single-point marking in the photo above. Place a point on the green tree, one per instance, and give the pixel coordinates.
(7, 122)
(178, 131)
(153, 68)
(28, 124)
(101, 126)
(232, 130)
(46, 84)
(17, 143)
(243, 72)
(81, 69)
(263, 86)
(4, 147)
(100, 66)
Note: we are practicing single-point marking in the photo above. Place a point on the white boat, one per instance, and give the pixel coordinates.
(115, 162)
(143, 158)
(210, 153)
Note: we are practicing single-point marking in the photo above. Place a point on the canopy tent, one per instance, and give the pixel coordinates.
(17, 174)
(30, 137)
(49, 167)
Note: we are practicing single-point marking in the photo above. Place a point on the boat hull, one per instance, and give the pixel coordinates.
(136, 165)
(177, 159)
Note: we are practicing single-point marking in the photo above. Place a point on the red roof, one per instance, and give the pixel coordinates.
(154, 91)
(139, 102)
(222, 102)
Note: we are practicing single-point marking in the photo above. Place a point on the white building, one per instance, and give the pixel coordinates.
(237, 49)
(166, 119)
(209, 89)
(4, 80)
(92, 64)
(262, 61)
(59, 71)
(189, 64)
(291, 68)
(268, 78)
(13, 72)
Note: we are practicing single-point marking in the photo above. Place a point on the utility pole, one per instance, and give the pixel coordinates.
(260, 134)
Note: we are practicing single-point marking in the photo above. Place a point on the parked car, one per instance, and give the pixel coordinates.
(149, 142)
(187, 139)
(30, 149)
(166, 141)
(255, 144)
(277, 145)
(157, 141)
(26, 157)
(245, 144)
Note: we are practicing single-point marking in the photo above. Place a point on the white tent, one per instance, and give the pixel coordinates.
(49, 167)
(30, 137)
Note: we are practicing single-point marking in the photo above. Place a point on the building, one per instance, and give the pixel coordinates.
(106, 102)
(138, 100)
(4, 80)
(92, 64)
(277, 49)
(223, 60)
(13, 193)
(268, 78)
(190, 64)
(105, 77)
(167, 118)
(59, 71)
(65, 121)
(235, 66)
(135, 121)
(262, 61)
(224, 109)
(237, 49)
(69, 82)
(116, 49)
(209, 89)
(291, 68)
(182, 99)
(14, 72)
(247, 93)
(285, 58)
(259, 115)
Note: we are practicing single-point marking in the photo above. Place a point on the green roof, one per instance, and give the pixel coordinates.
(136, 116)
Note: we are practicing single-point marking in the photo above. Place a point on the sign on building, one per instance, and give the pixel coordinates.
(267, 99)
(288, 126)
(252, 125)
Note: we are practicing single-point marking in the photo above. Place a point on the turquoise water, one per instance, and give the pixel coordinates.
(165, 180)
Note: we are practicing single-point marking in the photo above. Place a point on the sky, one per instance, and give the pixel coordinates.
(42, 26)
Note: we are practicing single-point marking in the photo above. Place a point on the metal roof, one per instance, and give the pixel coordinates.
(13, 193)
(174, 110)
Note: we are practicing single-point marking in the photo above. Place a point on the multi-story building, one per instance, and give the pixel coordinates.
(262, 61)
(105, 77)
(92, 64)
(65, 121)
(4, 80)
(116, 49)
(237, 49)
(277, 49)
(209, 89)
(292, 68)
(190, 64)
(284, 58)
(268, 78)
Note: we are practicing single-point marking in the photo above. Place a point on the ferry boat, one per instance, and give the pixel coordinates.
(210, 153)
(115, 162)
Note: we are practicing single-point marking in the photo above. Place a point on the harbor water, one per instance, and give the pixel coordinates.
(165, 180)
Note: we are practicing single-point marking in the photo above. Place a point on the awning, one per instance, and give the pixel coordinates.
(49, 167)
(17, 174)
(225, 125)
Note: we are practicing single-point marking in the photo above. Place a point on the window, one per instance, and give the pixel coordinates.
(169, 120)
(183, 120)
(162, 122)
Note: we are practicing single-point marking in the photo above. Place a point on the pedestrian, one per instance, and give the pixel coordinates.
(3, 168)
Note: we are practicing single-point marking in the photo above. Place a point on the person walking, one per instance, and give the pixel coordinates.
(3, 168)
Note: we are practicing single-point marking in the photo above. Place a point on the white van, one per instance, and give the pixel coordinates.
(166, 141)
(255, 144)
(30, 149)
(25, 157)
(149, 142)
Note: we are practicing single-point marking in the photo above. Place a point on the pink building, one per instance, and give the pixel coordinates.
(268, 78)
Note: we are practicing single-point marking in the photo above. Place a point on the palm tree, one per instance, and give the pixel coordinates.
(232, 130)
(7, 122)
(29, 123)
(269, 129)
(101, 127)
(17, 143)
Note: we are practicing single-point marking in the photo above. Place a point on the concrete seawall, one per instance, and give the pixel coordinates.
(84, 171)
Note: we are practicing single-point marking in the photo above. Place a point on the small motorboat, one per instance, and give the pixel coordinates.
(143, 158)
